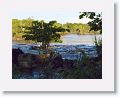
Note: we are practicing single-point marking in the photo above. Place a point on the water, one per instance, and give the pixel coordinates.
(72, 44)
(79, 39)
(73, 39)
(70, 48)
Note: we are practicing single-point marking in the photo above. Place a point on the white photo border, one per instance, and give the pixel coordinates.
(104, 84)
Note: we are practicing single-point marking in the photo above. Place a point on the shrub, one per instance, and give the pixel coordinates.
(98, 45)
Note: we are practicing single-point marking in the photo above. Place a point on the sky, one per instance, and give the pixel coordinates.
(61, 17)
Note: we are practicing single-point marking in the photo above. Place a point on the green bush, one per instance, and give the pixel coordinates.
(98, 45)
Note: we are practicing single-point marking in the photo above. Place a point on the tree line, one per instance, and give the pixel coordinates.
(20, 27)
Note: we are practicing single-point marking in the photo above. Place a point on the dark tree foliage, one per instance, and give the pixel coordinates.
(44, 32)
(96, 20)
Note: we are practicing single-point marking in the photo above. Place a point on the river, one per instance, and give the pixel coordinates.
(79, 39)
(74, 39)
(70, 46)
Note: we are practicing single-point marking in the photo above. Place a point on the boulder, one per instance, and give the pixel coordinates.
(56, 60)
(69, 64)
(15, 55)
(29, 60)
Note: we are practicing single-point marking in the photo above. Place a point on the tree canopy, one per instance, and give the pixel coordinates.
(96, 20)
(43, 32)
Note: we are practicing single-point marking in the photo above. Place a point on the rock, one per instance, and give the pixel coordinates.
(29, 60)
(56, 60)
(31, 49)
(74, 52)
(38, 75)
(15, 55)
(68, 64)
(71, 56)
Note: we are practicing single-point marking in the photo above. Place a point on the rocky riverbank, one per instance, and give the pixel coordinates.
(62, 62)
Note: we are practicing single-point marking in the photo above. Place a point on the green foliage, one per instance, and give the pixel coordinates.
(83, 69)
(78, 28)
(15, 72)
(96, 20)
(18, 27)
(98, 45)
(44, 32)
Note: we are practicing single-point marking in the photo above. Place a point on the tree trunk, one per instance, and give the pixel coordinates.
(45, 46)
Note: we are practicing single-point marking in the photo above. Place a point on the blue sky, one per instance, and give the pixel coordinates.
(61, 17)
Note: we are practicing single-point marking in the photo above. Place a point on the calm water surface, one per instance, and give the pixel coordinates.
(74, 39)
(79, 39)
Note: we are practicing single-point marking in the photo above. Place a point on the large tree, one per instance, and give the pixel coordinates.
(96, 20)
(44, 32)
